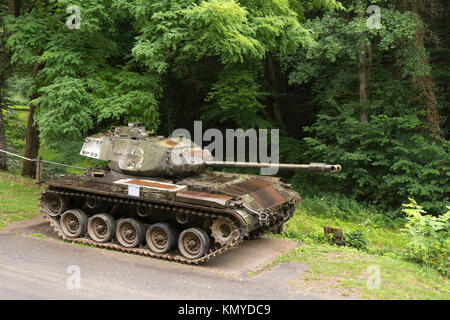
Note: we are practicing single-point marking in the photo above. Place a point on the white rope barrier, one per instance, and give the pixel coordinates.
(45, 161)
(64, 165)
(16, 155)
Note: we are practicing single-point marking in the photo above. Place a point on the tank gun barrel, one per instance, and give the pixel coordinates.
(312, 167)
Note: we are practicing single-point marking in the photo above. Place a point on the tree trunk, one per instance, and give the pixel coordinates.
(363, 82)
(273, 81)
(14, 7)
(32, 137)
(423, 83)
(31, 144)
(2, 134)
(363, 53)
(424, 86)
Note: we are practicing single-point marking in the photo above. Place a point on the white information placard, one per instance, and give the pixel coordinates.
(134, 191)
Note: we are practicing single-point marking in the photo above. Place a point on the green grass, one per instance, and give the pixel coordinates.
(19, 198)
(21, 114)
(306, 226)
(38, 235)
(16, 123)
(17, 140)
(344, 269)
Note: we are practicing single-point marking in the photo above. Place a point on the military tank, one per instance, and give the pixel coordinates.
(159, 198)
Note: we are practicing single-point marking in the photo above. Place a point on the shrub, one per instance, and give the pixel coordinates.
(355, 239)
(344, 208)
(428, 236)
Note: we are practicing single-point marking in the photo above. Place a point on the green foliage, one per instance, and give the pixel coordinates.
(328, 5)
(237, 97)
(18, 89)
(314, 213)
(15, 124)
(188, 39)
(429, 238)
(127, 95)
(290, 65)
(220, 27)
(226, 29)
(387, 160)
(355, 239)
(392, 157)
(64, 109)
(85, 76)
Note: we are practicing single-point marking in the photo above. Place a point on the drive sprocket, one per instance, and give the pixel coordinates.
(224, 231)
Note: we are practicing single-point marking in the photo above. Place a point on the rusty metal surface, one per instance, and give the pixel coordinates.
(262, 192)
(141, 251)
(170, 143)
(152, 184)
(214, 190)
(252, 202)
(203, 198)
(95, 188)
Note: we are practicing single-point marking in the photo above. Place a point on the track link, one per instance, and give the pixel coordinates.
(140, 251)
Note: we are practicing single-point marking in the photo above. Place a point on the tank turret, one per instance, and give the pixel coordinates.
(135, 151)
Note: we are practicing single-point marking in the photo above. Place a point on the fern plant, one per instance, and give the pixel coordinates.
(429, 240)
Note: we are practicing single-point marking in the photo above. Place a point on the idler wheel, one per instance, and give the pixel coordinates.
(73, 223)
(160, 237)
(129, 232)
(54, 204)
(223, 231)
(193, 243)
(101, 227)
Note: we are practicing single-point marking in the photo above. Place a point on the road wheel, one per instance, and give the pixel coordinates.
(160, 237)
(54, 204)
(101, 227)
(182, 217)
(193, 243)
(129, 232)
(143, 211)
(73, 223)
(93, 203)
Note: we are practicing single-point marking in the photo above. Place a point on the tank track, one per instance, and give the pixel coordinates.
(139, 251)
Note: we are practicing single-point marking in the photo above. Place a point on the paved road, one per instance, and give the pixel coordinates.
(35, 268)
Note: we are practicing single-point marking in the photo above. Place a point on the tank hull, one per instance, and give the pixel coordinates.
(221, 209)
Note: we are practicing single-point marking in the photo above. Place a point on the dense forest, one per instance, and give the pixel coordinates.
(343, 84)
